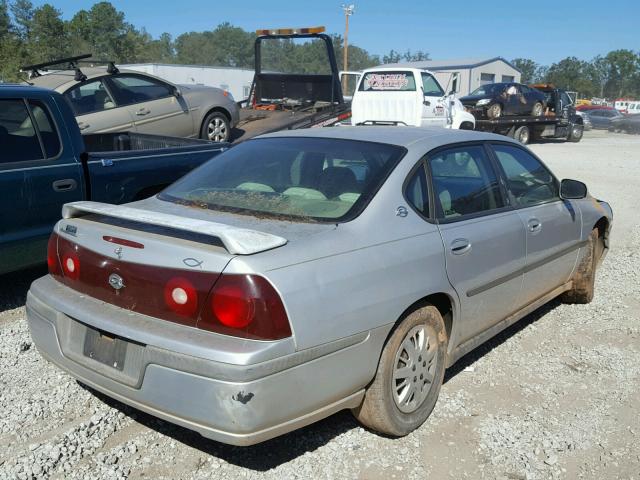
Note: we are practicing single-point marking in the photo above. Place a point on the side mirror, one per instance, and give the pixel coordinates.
(572, 189)
(177, 92)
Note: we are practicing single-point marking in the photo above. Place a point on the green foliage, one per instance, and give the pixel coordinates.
(528, 68)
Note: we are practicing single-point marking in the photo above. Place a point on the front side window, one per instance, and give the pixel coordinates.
(90, 97)
(416, 191)
(385, 81)
(299, 178)
(464, 182)
(18, 138)
(431, 87)
(136, 89)
(528, 179)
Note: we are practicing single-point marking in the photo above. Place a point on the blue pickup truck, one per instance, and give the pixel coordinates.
(45, 163)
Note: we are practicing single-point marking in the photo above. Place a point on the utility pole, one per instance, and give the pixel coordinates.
(348, 11)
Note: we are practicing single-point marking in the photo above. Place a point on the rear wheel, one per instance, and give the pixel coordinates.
(584, 278)
(522, 134)
(410, 372)
(537, 110)
(494, 111)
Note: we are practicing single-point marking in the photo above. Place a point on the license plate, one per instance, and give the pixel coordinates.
(105, 348)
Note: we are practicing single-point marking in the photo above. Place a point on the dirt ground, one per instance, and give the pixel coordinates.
(554, 396)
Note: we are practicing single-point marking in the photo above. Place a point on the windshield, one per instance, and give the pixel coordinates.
(317, 179)
(488, 90)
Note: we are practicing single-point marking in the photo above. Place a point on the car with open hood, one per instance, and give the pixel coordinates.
(495, 100)
(302, 273)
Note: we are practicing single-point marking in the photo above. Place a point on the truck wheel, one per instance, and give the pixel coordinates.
(216, 127)
(522, 134)
(494, 111)
(585, 276)
(537, 110)
(575, 134)
(410, 372)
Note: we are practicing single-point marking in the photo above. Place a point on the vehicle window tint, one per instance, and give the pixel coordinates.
(46, 127)
(385, 80)
(90, 97)
(18, 139)
(136, 89)
(464, 182)
(416, 191)
(431, 87)
(527, 178)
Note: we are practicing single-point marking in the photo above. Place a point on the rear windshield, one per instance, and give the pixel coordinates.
(385, 81)
(312, 179)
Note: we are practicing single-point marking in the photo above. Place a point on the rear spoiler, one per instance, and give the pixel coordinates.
(237, 241)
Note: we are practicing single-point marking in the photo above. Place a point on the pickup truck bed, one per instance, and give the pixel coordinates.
(47, 163)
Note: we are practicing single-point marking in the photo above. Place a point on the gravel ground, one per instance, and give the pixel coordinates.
(555, 396)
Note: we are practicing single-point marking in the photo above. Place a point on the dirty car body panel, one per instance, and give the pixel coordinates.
(347, 259)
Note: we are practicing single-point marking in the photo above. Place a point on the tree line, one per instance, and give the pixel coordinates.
(33, 35)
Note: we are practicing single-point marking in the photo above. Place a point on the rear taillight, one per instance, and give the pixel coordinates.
(181, 297)
(52, 255)
(245, 306)
(71, 265)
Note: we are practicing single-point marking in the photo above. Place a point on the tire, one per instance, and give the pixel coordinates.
(522, 134)
(575, 134)
(494, 111)
(396, 409)
(585, 276)
(216, 127)
(537, 110)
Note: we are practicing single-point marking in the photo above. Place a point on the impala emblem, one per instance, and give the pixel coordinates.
(118, 252)
(116, 281)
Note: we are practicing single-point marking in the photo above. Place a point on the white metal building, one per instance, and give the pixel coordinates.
(235, 80)
(472, 72)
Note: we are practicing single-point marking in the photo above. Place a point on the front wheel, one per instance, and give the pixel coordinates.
(575, 134)
(409, 376)
(216, 127)
(494, 111)
(584, 278)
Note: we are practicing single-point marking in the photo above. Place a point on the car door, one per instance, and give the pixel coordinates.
(153, 104)
(96, 110)
(433, 106)
(484, 239)
(553, 225)
(38, 174)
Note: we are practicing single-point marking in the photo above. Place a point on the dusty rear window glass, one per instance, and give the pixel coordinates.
(385, 81)
(308, 178)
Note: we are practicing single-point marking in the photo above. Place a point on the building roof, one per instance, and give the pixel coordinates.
(459, 63)
(179, 65)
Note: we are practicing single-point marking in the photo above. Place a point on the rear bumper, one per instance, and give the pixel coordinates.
(231, 403)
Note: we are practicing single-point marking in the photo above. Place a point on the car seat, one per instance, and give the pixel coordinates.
(334, 181)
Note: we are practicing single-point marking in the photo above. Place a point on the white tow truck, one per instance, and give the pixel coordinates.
(406, 96)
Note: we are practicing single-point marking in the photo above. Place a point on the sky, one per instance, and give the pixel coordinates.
(543, 31)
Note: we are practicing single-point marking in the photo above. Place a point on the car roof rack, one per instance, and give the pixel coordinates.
(111, 65)
(71, 62)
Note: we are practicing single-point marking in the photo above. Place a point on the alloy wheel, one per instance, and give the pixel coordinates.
(217, 130)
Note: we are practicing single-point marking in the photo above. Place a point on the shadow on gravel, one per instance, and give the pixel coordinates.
(272, 453)
(15, 286)
(481, 350)
(261, 457)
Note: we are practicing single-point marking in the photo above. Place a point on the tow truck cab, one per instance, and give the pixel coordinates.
(406, 96)
(296, 83)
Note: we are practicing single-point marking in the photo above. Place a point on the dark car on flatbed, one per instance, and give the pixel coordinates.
(45, 162)
(496, 100)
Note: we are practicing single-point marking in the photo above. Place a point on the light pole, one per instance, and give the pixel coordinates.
(348, 11)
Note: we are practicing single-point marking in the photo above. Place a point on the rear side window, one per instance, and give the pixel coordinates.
(136, 89)
(46, 127)
(416, 191)
(464, 182)
(388, 81)
(528, 179)
(90, 97)
(19, 141)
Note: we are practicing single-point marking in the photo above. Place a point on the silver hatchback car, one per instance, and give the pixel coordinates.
(302, 273)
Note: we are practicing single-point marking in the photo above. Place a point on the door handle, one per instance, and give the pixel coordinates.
(534, 225)
(143, 111)
(66, 185)
(460, 246)
(83, 126)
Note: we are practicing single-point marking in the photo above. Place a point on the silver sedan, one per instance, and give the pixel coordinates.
(133, 101)
(302, 273)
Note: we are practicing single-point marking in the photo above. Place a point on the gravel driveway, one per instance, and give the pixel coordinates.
(555, 396)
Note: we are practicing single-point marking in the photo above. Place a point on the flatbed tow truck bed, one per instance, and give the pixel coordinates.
(525, 128)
